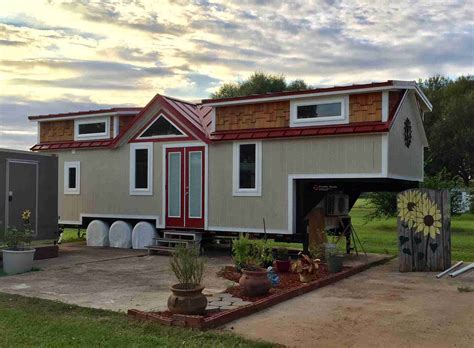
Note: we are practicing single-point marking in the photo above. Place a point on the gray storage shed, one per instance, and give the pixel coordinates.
(29, 181)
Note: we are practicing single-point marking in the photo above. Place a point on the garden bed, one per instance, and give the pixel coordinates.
(289, 287)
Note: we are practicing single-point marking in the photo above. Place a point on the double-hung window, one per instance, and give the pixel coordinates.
(95, 128)
(314, 112)
(247, 169)
(72, 178)
(141, 169)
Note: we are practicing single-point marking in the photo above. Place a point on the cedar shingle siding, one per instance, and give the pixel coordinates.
(261, 115)
(365, 107)
(57, 131)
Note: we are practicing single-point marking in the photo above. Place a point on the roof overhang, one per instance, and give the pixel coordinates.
(86, 114)
(321, 92)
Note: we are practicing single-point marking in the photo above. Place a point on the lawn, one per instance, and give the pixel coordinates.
(34, 322)
(380, 235)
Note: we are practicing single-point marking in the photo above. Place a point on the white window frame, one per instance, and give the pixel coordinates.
(141, 191)
(319, 121)
(236, 190)
(182, 135)
(77, 190)
(92, 136)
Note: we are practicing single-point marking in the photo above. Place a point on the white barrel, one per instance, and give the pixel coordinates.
(97, 234)
(120, 235)
(143, 234)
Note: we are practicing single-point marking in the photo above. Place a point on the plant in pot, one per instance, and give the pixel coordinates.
(251, 256)
(282, 261)
(18, 256)
(306, 267)
(187, 296)
(335, 260)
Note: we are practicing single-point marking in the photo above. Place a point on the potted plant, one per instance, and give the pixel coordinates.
(251, 256)
(282, 260)
(18, 256)
(187, 296)
(335, 260)
(306, 267)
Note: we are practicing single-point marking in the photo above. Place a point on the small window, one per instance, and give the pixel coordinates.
(72, 176)
(317, 111)
(97, 128)
(161, 128)
(247, 169)
(141, 169)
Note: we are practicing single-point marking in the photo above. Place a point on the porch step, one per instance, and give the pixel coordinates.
(153, 249)
(183, 235)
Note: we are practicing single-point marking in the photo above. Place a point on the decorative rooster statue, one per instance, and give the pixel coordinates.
(306, 267)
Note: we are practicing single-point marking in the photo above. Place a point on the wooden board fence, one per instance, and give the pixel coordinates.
(424, 230)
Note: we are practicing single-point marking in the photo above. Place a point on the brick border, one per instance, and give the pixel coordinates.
(219, 319)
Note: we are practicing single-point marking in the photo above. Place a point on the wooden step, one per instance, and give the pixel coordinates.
(184, 235)
(154, 249)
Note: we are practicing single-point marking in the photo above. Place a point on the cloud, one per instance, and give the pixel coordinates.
(17, 132)
(116, 52)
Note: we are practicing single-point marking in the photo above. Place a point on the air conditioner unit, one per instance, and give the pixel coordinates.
(337, 204)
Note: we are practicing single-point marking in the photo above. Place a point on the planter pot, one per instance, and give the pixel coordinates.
(329, 249)
(18, 261)
(187, 301)
(254, 282)
(283, 266)
(335, 263)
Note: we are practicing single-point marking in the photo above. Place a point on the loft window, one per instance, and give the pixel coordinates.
(318, 111)
(72, 175)
(141, 169)
(97, 128)
(161, 128)
(247, 169)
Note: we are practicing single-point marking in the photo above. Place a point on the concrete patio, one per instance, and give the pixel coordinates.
(106, 278)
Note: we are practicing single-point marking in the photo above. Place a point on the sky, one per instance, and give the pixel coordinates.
(62, 56)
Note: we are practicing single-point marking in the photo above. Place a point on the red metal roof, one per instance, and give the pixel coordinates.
(81, 113)
(72, 145)
(365, 127)
(301, 92)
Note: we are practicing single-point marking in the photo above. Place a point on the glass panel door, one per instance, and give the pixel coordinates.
(174, 184)
(195, 184)
(175, 187)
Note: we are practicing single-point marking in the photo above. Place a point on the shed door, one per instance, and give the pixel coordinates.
(21, 192)
(185, 187)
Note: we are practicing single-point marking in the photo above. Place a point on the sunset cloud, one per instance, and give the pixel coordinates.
(59, 56)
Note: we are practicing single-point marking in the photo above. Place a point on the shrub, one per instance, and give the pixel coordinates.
(282, 254)
(187, 266)
(248, 252)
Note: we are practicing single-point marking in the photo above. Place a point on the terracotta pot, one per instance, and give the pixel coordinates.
(254, 282)
(283, 265)
(186, 299)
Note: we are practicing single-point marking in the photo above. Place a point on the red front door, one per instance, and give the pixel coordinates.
(185, 187)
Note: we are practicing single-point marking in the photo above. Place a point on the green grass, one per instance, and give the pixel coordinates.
(34, 322)
(380, 235)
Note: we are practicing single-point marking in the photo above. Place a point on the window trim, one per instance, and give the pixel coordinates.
(318, 121)
(236, 190)
(182, 135)
(91, 136)
(141, 191)
(67, 190)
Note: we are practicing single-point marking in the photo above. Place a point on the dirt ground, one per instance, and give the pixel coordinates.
(376, 308)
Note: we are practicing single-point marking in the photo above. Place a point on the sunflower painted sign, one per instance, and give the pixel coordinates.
(424, 224)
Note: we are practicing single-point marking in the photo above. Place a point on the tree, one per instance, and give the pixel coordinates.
(450, 126)
(258, 83)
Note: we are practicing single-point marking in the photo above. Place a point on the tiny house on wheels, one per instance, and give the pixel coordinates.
(224, 165)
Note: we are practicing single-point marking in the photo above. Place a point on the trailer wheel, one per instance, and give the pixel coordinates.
(97, 234)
